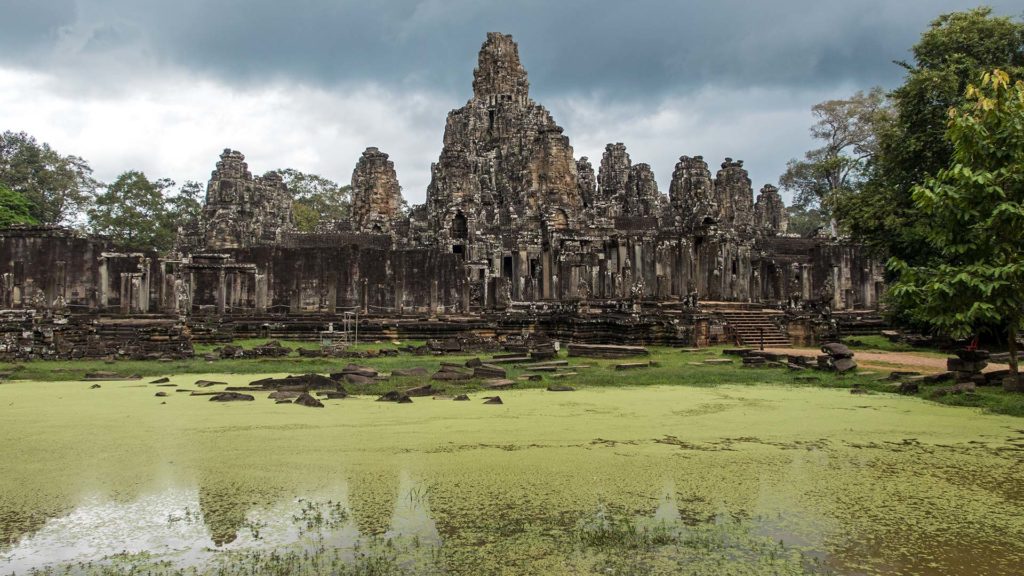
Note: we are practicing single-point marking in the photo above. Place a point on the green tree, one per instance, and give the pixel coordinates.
(185, 208)
(57, 187)
(14, 208)
(132, 212)
(954, 52)
(316, 199)
(848, 131)
(973, 222)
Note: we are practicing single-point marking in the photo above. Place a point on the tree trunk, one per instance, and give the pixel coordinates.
(1012, 382)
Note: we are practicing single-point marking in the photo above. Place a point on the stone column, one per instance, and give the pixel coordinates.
(104, 283)
(221, 292)
(261, 293)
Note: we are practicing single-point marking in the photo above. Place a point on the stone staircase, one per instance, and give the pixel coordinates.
(747, 326)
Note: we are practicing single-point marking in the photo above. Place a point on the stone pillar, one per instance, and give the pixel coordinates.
(366, 296)
(221, 292)
(261, 293)
(104, 283)
(332, 293)
(433, 297)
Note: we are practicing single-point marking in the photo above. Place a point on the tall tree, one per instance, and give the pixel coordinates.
(316, 199)
(848, 131)
(184, 208)
(57, 187)
(954, 52)
(132, 212)
(14, 208)
(973, 222)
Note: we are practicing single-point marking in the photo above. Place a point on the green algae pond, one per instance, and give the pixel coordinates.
(654, 479)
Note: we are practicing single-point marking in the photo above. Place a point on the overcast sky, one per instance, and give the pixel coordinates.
(163, 86)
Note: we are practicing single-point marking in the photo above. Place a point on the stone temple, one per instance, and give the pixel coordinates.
(516, 234)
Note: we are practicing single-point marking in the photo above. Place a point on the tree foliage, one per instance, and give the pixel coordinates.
(14, 208)
(973, 220)
(185, 208)
(132, 212)
(316, 199)
(848, 131)
(954, 52)
(58, 188)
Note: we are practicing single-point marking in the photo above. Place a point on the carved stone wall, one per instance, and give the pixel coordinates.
(243, 211)
(770, 216)
(376, 195)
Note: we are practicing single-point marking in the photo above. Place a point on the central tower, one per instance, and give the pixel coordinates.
(505, 166)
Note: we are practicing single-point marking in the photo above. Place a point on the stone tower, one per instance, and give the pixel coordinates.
(692, 194)
(734, 196)
(376, 195)
(504, 158)
(770, 216)
(242, 211)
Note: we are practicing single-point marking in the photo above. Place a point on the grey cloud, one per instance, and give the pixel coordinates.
(632, 50)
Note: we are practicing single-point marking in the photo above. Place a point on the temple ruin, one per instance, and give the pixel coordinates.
(516, 233)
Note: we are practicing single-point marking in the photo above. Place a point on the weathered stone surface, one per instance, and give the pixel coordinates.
(305, 399)
(493, 400)
(770, 217)
(229, 397)
(243, 211)
(515, 230)
(692, 194)
(376, 195)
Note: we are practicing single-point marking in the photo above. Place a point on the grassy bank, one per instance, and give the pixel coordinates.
(669, 366)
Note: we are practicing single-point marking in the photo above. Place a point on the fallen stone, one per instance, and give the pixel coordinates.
(208, 383)
(418, 371)
(737, 351)
(713, 361)
(901, 374)
(305, 399)
(493, 400)
(632, 365)
(473, 362)
(856, 390)
(161, 381)
(229, 397)
(560, 388)
(908, 388)
(461, 398)
(844, 365)
(531, 378)
(500, 384)
(161, 394)
(564, 374)
(450, 375)
(425, 390)
(489, 371)
(94, 386)
(283, 401)
(358, 380)
(393, 396)
(333, 394)
(837, 350)
(606, 351)
(101, 375)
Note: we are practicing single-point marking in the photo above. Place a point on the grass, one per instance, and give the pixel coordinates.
(671, 366)
(881, 343)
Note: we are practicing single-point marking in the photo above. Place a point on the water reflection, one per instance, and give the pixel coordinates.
(192, 526)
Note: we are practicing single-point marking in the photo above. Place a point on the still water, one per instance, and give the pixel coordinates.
(732, 479)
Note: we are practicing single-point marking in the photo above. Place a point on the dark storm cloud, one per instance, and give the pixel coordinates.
(627, 49)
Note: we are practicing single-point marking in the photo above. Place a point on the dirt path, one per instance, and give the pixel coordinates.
(879, 360)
